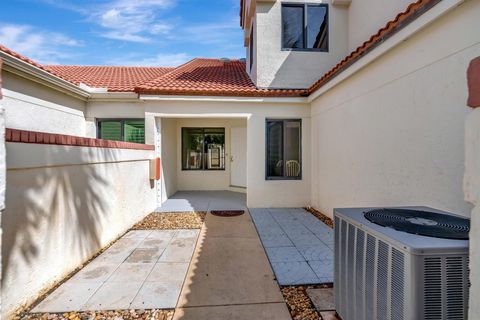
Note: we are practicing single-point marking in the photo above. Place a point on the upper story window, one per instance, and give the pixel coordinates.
(129, 130)
(305, 27)
(284, 149)
(251, 49)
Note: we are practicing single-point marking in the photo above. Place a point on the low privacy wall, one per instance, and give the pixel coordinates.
(67, 197)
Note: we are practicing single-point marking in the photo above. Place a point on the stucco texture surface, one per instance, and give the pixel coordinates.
(63, 204)
(389, 135)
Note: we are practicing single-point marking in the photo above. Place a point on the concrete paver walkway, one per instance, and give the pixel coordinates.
(229, 276)
(298, 245)
(143, 270)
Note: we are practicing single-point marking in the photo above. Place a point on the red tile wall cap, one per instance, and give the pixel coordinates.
(413, 11)
(24, 136)
(114, 78)
(473, 81)
(211, 77)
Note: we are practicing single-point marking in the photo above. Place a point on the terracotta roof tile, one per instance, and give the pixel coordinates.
(115, 79)
(210, 77)
(413, 11)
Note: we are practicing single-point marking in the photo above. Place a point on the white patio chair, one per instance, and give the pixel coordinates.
(292, 168)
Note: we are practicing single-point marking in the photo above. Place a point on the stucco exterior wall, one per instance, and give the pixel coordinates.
(472, 195)
(260, 192)
(169, 158)
(366, 17)
(3, 168)
(295, 69)
(32, 106)
(393, 133)
(63, 204)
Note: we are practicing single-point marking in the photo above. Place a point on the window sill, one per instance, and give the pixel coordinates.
(304, 50)
(283, 178)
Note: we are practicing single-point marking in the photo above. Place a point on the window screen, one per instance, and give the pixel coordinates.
(132, 130)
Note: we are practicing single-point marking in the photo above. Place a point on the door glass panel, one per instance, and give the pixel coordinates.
(292, 17)
(292, 148)
(274, 148)
(214, 148)
(192, 146)
(317, 29)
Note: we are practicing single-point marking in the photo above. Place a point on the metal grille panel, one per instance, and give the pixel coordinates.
(351, 269)
(454, 290)
(359, 261)
(382, 280)
(433, 288)
(398, 285)
(370, 278)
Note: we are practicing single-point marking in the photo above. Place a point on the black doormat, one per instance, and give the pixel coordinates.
(227, 213)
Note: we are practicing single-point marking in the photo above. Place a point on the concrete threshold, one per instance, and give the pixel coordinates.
(229, 276)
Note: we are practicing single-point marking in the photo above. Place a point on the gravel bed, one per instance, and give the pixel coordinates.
(299, 303)
(172, 220)
(102, 315)
(321, 216)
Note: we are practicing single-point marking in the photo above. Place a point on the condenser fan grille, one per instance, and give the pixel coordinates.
(419, 222)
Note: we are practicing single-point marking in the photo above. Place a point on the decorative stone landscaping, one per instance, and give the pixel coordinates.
(172, 220)
(102, 315)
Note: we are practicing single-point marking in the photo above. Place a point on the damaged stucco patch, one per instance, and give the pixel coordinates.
(473, 78)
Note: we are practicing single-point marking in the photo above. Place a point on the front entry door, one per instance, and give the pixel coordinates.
(238, 157)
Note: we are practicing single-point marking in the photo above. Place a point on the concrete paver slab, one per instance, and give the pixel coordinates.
(68, 297)
(179, 250)
(264, 311)
(308, 240)
(294, 273)
(168, 271)
(162, 234)
(96, 271)
(145, 255)
(157, 295)
(131, 272)
(113, 295)
(192, 233)
(283, 254)
(142, 234)
(160, 243)
(322, 298)
(277, 240)
(323, 269)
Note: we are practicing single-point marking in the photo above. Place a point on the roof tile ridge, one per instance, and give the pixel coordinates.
(139, 87)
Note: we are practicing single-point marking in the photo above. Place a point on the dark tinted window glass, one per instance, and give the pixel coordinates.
(284, 149)
(317, 31)
(192, 145)
(292, 28)
(110, 130)
(274, 148)
(134, 131)
(251, 49)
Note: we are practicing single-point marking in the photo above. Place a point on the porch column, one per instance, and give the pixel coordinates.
(472, 183)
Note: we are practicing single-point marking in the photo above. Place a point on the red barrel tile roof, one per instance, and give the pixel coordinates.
(116, 79)
(210, 77)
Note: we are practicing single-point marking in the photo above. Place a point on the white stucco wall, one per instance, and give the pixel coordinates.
(63, 204)
(295, 69)
(366, 17)
(169, 159)
(472, 195)
(33, 106)
(392, 134)
(260, 192)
